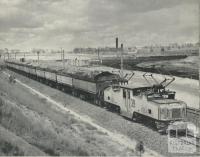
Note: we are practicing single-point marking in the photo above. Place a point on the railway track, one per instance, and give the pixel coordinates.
(194, 116)
(194, 111)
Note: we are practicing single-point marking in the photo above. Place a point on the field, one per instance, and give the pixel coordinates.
(188, 67)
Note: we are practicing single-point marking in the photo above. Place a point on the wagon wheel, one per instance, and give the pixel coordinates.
(135, 117)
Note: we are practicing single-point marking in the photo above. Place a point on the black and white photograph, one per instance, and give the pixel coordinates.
(100, 78)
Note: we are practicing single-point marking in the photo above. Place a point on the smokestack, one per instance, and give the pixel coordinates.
(122, 75)
(116, 43)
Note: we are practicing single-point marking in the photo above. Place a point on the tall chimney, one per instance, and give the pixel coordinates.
(122, 46)
(122, 75)
(116, 43)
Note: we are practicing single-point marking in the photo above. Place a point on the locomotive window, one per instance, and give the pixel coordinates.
(128, 94)
(136, 92)
(172, 133)
(124, 93)
(149, 110)
(108, 98)
(181, 133)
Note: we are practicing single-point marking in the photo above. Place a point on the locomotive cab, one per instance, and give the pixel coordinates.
(153, 103)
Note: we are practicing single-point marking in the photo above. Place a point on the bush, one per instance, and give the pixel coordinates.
(1, 102)
(51, 152)
(81, 152)
(8, 149)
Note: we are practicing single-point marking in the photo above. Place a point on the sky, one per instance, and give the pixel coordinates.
(52, 24)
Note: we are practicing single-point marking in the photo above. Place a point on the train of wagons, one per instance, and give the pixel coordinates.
(152, 103)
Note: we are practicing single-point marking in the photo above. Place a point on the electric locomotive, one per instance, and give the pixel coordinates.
(153, 104)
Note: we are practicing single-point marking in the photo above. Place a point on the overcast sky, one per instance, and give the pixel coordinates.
(53, 24)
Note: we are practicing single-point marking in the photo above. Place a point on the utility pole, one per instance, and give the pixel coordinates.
(6, 49)
(98, 55)
(61, 54)
(63, 59)
(38, 55)
(199, 53)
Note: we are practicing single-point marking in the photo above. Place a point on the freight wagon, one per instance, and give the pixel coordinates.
(84, 84)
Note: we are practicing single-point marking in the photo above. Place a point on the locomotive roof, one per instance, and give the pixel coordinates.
(136, 86)
(165, 101)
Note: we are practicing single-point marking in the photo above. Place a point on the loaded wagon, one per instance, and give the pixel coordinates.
(64, 81)
(90, 85)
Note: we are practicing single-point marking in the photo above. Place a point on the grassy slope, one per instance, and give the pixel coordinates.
(50, 130)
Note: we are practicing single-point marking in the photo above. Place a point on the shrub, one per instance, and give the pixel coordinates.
(8, 149)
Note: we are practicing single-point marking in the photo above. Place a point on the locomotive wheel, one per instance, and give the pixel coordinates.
(60, 88)
(118, 110)
(82, 97)
(95, 101)
(161, 127)
(135, 117)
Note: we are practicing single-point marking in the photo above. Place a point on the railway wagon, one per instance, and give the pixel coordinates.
(9, 65)
(13, 66)
(26, 70)
(21, 68)
(40, 73)
(32, 72)
(64, 81)
(88, 85)
(153, 104)
(91, 86)
(50, 75)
